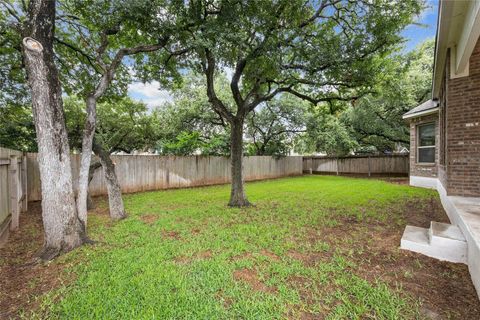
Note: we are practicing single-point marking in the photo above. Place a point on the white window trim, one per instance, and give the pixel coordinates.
(434, 146)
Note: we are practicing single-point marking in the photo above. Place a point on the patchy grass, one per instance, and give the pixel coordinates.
(312, 247)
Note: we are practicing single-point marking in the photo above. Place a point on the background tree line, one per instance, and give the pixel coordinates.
(187, 125)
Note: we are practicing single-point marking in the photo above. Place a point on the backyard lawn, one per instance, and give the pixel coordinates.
(311, 247)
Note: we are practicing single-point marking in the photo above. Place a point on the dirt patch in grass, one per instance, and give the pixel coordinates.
(251, 277)
(270, 255)
(242, 256)
(22, 277)
(168, 234)
(419, 212)
(310, 297)
(438, 285)
(226, 301)
(205, 254)
(397, 180)
(310, 259)
(199, 256)
(149, 218)
(195, 231)
(298, 255)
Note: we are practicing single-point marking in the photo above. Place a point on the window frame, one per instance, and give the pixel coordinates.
(434, 146)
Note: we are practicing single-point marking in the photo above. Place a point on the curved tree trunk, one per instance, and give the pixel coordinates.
(115, 201)
(92, 98)
(93, 167)
(63, 230)
(237, 195)
(86, 157)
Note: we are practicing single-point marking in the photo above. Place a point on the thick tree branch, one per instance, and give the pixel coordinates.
(208, 66)
(110, 69)
(79, 51)
(237, 96)
(381, 135)
(322, 99)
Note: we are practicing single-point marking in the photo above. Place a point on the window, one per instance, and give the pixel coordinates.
(426, 143)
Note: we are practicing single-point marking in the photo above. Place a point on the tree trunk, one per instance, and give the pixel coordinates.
(62, 228)
(93, 167)
(115, 201)
(237, 195)
(86, 157)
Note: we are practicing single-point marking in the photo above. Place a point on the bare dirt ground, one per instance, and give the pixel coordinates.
(22, 277)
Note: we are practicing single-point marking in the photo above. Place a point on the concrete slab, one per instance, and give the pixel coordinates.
(415, 236)
(469, 211)
(445, 230)
(418, 240)
(423, 182)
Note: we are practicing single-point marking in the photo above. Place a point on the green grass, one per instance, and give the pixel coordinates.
(182, 262)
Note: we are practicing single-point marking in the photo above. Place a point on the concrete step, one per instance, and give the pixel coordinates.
(441, 232)
(441, 241)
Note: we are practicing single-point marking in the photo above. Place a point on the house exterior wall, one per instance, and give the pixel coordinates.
(460, 174)
(423, 169)
(457, 152)
(442, 124)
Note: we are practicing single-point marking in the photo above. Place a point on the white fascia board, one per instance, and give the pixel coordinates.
(468, 37)
(421, 113)
(443, 27)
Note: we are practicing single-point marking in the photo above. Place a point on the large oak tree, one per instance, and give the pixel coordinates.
(96, 38)
(63, 229)
(319, 51)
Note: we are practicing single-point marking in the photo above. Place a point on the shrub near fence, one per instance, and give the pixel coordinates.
(151, 172)
(397, 165)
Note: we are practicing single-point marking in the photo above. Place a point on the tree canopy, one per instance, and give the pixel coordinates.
(377, 119)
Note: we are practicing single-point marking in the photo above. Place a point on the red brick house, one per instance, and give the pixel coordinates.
(445, 140)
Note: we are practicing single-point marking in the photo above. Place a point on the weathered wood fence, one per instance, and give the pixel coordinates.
(151, 172)
(13, 190)
(358, 165)
(20, 177)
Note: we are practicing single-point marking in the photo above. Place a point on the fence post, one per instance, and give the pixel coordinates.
(369, 169)
(24, 181)
(337, 166)
(14, 207)
(311, 165)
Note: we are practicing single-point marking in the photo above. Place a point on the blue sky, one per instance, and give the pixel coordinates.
(152, 94)
(417, 34)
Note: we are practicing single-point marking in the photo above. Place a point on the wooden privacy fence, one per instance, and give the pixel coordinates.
(13, 190)
(152, 172)
(361, 165)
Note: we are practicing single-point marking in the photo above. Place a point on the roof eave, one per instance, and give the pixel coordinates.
(421, 113)
(441, 45)
(458, 29)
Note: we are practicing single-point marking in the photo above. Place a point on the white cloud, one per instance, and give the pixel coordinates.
(149, 93)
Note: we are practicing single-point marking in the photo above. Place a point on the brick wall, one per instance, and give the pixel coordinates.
(423, 169)
(462, 165)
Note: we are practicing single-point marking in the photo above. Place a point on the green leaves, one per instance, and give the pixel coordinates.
(17, 130)
(272, 129)
(123, 125)
(377, 119)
